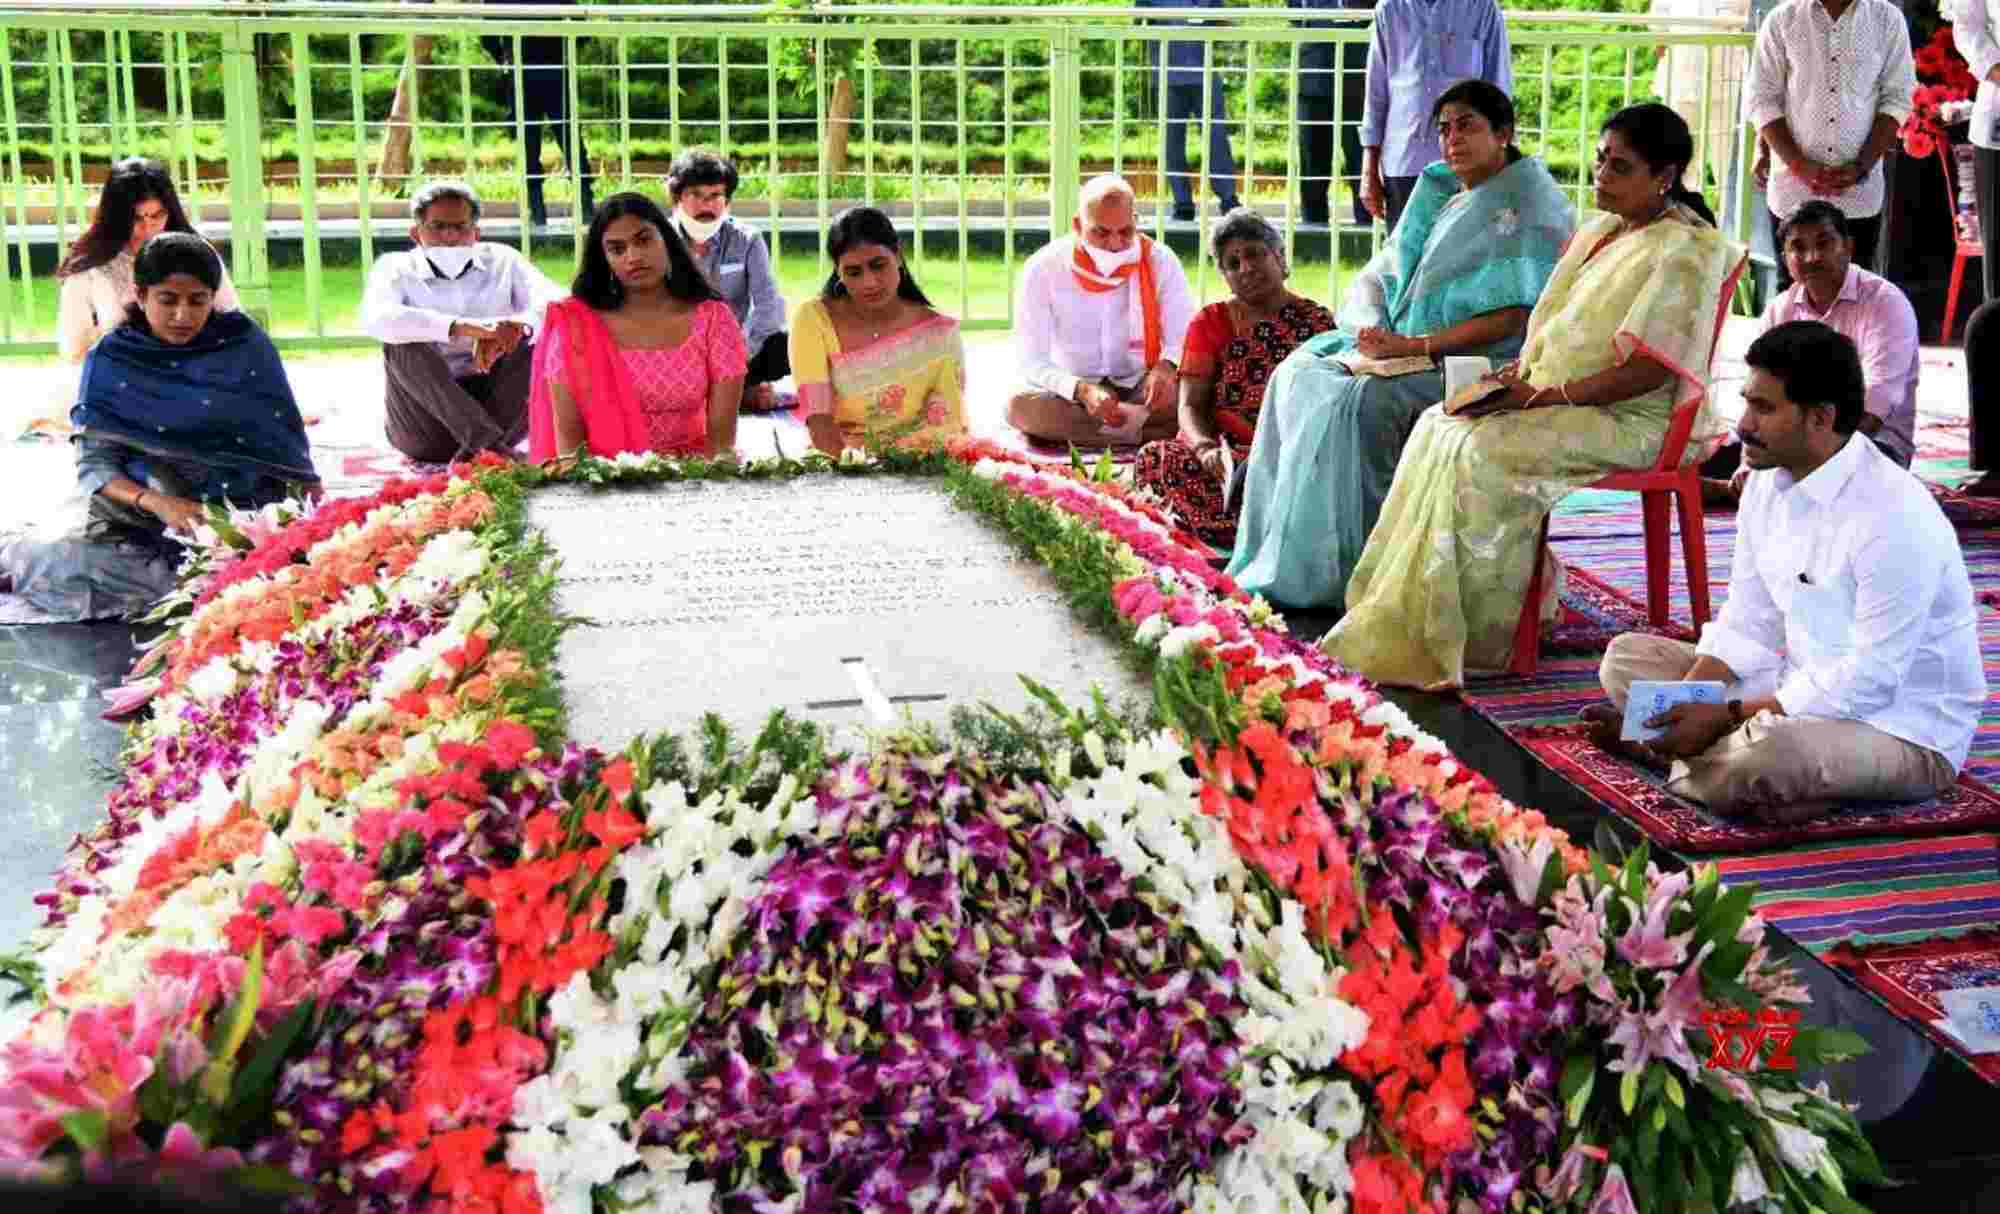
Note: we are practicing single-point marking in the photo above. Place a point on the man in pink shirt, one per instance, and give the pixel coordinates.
(1868, 309)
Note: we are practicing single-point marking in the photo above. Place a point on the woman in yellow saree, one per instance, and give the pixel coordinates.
(1621, 335)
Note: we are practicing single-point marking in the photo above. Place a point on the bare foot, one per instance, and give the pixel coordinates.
(1606, 723)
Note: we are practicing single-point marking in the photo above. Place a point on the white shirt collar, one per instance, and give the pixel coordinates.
(1825, 483)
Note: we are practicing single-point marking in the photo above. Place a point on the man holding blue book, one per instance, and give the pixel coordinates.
(1848, 649)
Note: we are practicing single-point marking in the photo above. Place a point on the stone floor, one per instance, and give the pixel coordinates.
(57, 756)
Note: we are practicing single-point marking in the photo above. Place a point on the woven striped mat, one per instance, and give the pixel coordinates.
(1883, 891)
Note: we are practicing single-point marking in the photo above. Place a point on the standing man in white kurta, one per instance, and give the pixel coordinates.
(1830, 81)
(1099, 322)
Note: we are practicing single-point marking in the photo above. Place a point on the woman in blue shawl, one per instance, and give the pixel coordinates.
(180, 406)
(1460, 274)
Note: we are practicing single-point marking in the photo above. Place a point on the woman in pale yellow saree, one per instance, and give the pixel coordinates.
(1620, 336)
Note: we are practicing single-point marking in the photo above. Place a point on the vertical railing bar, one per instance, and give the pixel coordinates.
(1201, 180)
(364, 207)
(131, 91)
(917, 146)
(1164, 188)
(1118, 106)
(674, 90)
(574, 129)
(722, 93)
(111, 91)
(868, 120)
(57, 143)
(465, 46)
(521, 166)
(1707, 116)
(302, 121)
(20, 184)
(1548, 87)
(184, 61)
(173, 119)
(416, 169)
(964, 235)
(624, 110)
(824, 175)
(773, 176)
(1007, 171)
(1583, 125)
(7, 307)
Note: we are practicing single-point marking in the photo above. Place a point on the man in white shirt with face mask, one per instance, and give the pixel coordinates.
(701, 185)
(455, 317)
(1099, 323)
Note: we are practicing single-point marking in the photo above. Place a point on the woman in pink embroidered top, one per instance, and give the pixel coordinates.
(876, 366)
(644, 356)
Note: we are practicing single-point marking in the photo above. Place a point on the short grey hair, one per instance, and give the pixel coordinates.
(1102, 187)
(1245, 224)
(436, 190)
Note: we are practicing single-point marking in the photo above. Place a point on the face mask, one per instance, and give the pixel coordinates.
(449, 260)
(1110, 263)
(700, 231)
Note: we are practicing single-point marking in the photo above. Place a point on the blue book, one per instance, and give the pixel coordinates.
(1649, 699)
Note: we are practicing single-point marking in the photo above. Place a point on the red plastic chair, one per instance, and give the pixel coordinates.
(1661, 488)
(1967, 249)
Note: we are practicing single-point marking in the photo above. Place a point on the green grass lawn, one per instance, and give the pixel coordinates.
(976, 290)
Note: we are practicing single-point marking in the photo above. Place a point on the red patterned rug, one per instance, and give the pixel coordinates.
(1909, 978)
(1637, 794)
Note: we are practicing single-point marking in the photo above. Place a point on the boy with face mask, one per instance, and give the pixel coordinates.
(701, 184)
(1100, 320)
(455, 317)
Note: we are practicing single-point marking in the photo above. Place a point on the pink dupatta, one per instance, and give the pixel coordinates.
(596, 380)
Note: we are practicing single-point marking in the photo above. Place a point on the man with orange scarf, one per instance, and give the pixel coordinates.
(1098, 325)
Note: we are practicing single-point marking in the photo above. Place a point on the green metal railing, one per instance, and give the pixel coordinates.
(975, 125)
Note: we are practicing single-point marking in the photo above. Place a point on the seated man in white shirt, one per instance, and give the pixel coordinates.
(1849, 648)
(1099, 323)
(455, 317)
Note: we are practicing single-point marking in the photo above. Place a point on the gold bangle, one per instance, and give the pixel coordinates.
(139, 502)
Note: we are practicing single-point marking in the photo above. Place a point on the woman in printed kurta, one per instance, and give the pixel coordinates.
(645, 356)
(876, 365)
(1231, 349)
(1622, 335)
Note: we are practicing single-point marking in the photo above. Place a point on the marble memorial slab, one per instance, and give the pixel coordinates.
(838, 598)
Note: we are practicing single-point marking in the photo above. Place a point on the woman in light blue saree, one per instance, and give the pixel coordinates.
(1459, 276)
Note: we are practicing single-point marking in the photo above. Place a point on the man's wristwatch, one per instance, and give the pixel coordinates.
(1736, 712)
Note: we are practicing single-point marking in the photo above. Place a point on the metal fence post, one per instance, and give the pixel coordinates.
(249, 251)
(1065, 113)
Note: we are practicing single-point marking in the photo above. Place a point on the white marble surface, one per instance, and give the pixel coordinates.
(744, 597)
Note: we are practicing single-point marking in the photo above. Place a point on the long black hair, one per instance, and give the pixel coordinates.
(132, 182)
(597, 286)
(166, 255)
(1661, 138)
(866, 225)
(1489, 101)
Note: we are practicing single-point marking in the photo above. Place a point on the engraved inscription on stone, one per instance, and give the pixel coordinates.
(740, 598)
